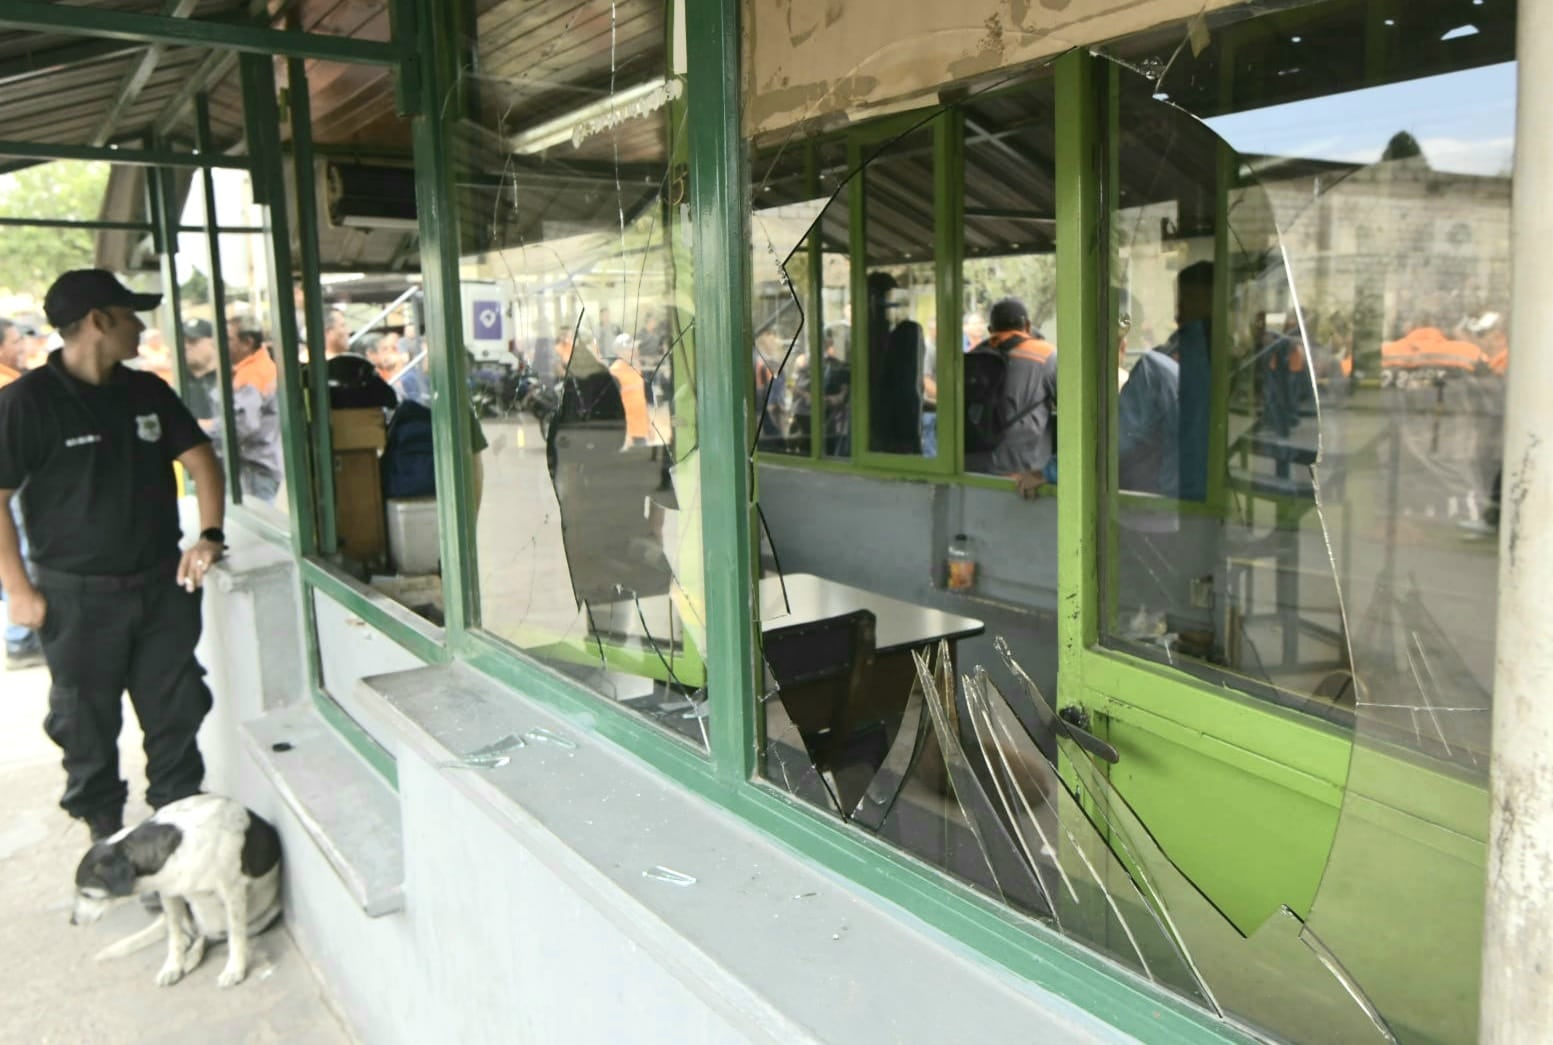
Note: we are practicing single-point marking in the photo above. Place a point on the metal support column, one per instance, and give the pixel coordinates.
(1082, 244)
(159, 198)
(202, 135)
(312, 299)
(437, 154)
(1518, 923)
(262, 120)
(719, 197)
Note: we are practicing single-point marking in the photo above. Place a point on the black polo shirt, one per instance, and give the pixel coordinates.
(100, 495)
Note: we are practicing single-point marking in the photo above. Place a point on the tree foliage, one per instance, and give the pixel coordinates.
(31, 258)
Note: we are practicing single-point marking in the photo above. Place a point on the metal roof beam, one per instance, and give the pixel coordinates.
(128, 157)
(212, 70)
(38, 16)
(37, 63)
(136, 79)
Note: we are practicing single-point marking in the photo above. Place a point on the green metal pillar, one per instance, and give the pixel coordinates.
(719, 196)
(269, 188)
(218, 302)
(159, 199)
(436, 195)
(1082, 246)
(312, 291)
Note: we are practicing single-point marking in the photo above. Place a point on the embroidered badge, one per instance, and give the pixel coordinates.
(148, 427)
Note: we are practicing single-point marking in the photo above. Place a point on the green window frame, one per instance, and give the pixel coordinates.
(424, 54)
(948, 467)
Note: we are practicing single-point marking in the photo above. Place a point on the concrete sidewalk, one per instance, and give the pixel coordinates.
(54, 991)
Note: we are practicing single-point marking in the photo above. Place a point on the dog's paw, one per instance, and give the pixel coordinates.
(194, 955)
(231, 976)
(171, 973)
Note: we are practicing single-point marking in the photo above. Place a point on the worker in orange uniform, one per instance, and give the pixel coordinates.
(633, 391)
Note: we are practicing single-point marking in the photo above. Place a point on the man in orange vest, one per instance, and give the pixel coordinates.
(1029, 391)
(256, 416)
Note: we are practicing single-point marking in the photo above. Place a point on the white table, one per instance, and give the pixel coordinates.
(796, 598)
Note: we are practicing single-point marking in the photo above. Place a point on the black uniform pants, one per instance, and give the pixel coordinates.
(101, 636)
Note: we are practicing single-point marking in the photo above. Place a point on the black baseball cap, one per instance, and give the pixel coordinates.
(1008, 314)
(76, 293)
(198, 330)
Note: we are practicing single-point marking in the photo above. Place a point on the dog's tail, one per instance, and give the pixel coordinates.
(136, 942)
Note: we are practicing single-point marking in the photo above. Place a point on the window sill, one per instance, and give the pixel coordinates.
(347, 809)
(765, 937)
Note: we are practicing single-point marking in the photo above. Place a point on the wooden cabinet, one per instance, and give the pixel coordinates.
(358, 439)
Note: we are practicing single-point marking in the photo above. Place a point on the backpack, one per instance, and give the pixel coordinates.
(409, 464)
(986, 402)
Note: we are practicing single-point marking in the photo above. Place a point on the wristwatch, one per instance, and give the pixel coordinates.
(214, 535)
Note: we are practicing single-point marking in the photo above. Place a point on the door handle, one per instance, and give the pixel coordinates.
(1074, 722)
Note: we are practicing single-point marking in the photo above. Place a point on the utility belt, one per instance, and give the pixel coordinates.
(59, 580)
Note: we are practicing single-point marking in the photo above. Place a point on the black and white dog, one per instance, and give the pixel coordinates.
(216, 867)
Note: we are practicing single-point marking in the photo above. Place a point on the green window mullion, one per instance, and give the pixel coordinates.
(719, 182)
(1109, 465)
(436, 153)
(233, 462)
(262, 120)
(1081, 238)
(317, 391)
(1221, 336)
(857, 350)
(815, 310)
(159, 203)
(861, 146)
(949, 233)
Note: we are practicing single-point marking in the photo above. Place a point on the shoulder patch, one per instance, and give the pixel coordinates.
(261, 847)
(150, 845)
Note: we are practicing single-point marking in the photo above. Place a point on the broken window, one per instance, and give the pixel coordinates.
(1244, 443)
(1310, 265)
(575, 245)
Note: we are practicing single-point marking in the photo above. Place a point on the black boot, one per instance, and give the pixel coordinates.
(105, 823)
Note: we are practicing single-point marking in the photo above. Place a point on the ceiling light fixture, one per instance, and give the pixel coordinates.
(596, 117)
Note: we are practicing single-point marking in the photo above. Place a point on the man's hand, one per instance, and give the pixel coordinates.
(1028, 484)
(196, 562)
(27, 607)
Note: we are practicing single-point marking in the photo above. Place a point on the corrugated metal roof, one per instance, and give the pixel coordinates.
(536, 61)
(54, 91)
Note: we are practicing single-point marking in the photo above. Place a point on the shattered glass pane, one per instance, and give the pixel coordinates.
(575, 248)
(1346, 565)
(866, 714)
(1306, 321)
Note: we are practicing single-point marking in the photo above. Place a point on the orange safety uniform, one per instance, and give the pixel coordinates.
(633, 396)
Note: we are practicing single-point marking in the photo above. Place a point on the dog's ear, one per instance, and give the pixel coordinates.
(118, 874)
(149, 846)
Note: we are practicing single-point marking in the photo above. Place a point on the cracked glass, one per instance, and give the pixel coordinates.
(575, 246)
(1304, 343)
(900, 690)
(1311, 250)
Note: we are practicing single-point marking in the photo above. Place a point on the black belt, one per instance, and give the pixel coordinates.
(85, 582)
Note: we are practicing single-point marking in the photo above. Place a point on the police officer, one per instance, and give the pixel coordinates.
(91, 443)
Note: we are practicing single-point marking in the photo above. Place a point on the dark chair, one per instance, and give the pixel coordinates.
(818, 666)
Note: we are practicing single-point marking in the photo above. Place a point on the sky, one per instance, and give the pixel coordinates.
(1465, 122)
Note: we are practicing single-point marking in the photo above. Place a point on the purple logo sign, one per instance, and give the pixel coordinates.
(487, 320)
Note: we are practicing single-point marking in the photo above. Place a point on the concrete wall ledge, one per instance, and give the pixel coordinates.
(779, 948)
(345, 807)
(251, 561)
